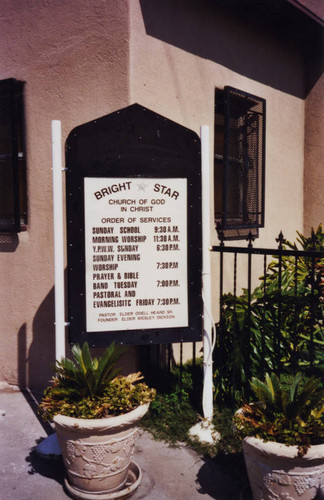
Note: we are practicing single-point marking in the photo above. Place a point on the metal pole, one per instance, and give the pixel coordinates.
(206, 277)
(58, 240)
(50, 447)
(204, 430)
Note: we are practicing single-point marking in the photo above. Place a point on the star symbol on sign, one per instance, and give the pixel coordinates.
(142, 186)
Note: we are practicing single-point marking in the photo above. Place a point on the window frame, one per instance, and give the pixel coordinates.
(239, 163)
(13, 218)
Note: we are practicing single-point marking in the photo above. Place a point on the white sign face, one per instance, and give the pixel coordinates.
(135, 253)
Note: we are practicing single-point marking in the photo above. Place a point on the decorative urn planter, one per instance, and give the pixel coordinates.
(97, 453)
(277, 472)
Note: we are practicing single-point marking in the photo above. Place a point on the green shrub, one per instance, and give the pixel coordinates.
(177, 403)
(292, 414)
(90, 388)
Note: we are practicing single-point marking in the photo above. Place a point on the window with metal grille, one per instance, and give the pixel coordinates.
(239, 163)
(13, 202)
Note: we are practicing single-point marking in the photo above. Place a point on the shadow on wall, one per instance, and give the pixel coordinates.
(9, 242)
(41, 358)
(270, 42)
(22, 357)
(36, 367)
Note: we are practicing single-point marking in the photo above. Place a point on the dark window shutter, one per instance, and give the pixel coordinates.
(12, 156)
(240, 164)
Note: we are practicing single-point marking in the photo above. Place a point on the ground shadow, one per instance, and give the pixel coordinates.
(224, 478)
(51, 468)
(33, 399)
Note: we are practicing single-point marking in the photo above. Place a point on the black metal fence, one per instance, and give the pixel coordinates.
(271, 313)
(159, 360)
(270, 318)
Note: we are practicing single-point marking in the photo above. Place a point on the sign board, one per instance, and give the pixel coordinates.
(135, 253)
(134, 243)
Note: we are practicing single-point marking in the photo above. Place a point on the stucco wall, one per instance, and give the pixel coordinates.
(84, 59)
(180, 84)
(175, 72)
(314, 158)
(73, 57)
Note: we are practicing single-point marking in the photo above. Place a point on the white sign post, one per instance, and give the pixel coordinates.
(58, 226)
(205, 430)
(50, 447)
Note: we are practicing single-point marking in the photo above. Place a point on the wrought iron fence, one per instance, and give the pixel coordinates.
(176, 375)
(273, 322)
(270, 318)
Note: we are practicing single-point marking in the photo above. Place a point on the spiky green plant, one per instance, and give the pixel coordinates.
(291, 414)
(87, 376)
(90, 388)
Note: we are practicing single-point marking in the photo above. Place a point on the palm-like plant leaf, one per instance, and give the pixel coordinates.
(89, 387)
(290, 413)
(310, 397)
(83, 357)
(106, 370)
(297, 402)
(66, 370)
(86, 376)
(294, 386)
(268, 392)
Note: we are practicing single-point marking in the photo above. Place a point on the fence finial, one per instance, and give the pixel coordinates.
(314, 239)
(250, 239)
(221, 235)
(281, 240)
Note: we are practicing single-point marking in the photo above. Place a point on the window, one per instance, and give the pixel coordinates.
(239, 163)
(13, 199)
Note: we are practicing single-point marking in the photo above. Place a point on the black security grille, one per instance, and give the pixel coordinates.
(12, 156)
(239, 163)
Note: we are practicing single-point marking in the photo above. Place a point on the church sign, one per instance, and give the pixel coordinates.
(134, 230)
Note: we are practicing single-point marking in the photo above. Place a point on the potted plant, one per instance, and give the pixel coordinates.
(283, 445)
(96, 413)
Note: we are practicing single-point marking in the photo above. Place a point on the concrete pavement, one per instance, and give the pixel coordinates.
(168, 473)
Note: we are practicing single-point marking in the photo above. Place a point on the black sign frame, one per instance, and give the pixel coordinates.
(133, 142)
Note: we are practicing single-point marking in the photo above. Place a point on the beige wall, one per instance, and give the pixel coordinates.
(73, 56)
(84, 59)
(314, 158)
(180, 85)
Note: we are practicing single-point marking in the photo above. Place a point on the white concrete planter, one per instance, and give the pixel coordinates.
(276, 472)
(97, 453)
